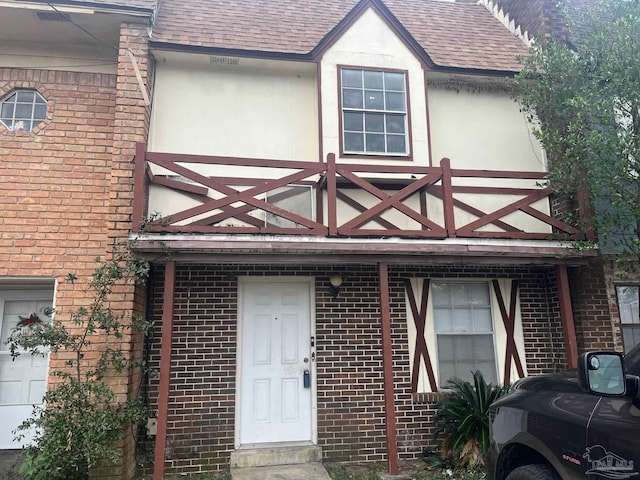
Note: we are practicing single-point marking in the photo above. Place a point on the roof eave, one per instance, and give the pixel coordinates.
(474, 71)
(307, 57)
(230, 52)
(101, 7)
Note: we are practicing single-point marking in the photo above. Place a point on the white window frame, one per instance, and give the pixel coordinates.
(364, 110)
(437, 334)
(499, 330)
(17, 124)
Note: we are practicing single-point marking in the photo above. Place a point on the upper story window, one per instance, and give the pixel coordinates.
(374, 112)
(22, 110)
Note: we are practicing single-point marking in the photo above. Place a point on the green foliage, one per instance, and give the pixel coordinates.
(462, 420)
(584, 104)
(83, 418)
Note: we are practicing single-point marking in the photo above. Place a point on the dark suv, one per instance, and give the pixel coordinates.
(581, 424)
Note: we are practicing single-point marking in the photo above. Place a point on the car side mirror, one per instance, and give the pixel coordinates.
(602, 373)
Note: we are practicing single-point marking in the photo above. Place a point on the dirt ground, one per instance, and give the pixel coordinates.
(406, 466)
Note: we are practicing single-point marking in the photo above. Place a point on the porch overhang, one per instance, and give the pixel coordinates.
(312, 249)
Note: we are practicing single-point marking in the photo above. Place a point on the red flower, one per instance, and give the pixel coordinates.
(29, 321)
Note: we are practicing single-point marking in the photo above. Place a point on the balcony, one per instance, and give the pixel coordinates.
(190, 194)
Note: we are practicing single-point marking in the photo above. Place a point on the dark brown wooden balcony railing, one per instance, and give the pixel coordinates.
(358, 200)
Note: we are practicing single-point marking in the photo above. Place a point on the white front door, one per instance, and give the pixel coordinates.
(23, 380)
(275, 353)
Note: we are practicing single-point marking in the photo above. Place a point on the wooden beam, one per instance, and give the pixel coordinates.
(470, 228)
(447, 198)
(498, 174)
(159, 158)
(165, 370)
(566, 314)
(281, 249)
(388, 201)
(139, 188)
(357, 206)
(387, 365)
(332, 195)
(320, 258)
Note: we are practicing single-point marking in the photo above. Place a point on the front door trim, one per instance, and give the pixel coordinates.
(242, 283)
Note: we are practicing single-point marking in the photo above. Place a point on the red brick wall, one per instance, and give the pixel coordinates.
(349, 358)
(55, 181)
(67, 187)
(595, 329)
(131, 125)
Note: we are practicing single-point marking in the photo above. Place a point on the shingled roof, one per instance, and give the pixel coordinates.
(452, 35)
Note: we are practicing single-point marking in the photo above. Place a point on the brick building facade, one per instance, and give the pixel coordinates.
(351, 421)
(67, 187)
(82, 180)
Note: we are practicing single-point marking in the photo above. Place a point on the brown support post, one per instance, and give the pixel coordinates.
(447, 198)
(387, 365)
(566, 314)
(165, 370)
(332, 195)
(140, 187)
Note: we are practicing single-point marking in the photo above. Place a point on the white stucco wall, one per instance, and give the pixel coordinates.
(268, 109)
(370, 43)
(256, 109)
(479, 126)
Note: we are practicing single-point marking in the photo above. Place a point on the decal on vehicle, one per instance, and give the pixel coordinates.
(571, 457)
(608, 464)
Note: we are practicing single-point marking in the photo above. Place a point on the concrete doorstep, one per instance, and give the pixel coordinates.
(280, 463)
(302, 471)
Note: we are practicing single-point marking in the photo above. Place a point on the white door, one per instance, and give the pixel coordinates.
(275, 403)
(23, 380)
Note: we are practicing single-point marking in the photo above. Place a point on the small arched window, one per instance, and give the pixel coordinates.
(22, 110)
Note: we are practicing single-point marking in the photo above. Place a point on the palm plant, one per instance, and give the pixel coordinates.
(462, 419)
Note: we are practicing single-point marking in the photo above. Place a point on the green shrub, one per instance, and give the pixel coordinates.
(462, 420)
